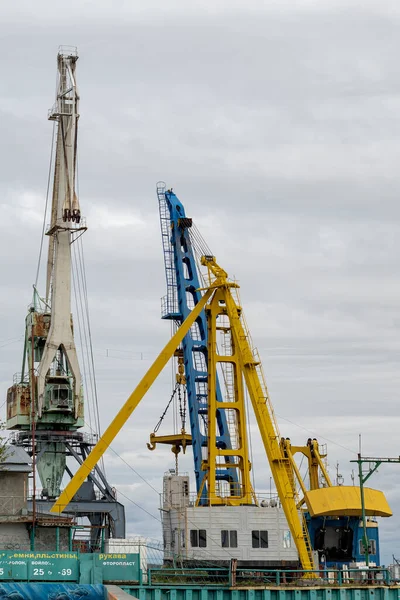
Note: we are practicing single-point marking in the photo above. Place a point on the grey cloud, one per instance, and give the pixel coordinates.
(277, 127)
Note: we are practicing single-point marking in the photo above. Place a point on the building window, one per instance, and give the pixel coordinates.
(233, 539)
(371, 547)
(194, 538)
(259, 539)
(225, 538)
(198, 538)
(287, 539)
(202, 538)
(228, 538)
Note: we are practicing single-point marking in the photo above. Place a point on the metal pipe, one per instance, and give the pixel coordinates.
(33, 417)
(363, 515)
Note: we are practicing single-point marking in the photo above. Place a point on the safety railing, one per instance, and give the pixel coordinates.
(177, 500)
(18, 378)
(74, 438)
(339, 577)
(169, 304)
(68, 51)
(212, 576)
(250, 578)
(71, 226)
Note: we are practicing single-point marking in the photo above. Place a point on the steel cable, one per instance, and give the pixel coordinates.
(45, 208)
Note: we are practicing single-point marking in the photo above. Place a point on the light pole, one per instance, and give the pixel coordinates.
(374, 463)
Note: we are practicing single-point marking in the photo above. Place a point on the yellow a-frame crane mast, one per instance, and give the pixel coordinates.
(219, 294)
(247, 365)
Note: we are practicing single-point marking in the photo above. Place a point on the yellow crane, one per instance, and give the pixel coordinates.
(223, 311)
(218, 294)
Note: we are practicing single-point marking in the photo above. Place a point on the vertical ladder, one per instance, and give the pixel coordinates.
(183, 293)
(169, 304)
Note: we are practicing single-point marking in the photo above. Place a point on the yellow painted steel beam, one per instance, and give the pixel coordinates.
(345, 500)
(242, 491)
(315, 464)
(176, 440)
(321, 465)
(281, 466)
(250, 366)
(288, 451)
(128, 408)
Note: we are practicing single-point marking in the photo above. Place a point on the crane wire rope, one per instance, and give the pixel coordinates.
(249, 436)
(195, 525)
(200, 247)
(84, 304)
(158, 494)
(201, 243)
(90, 348)
(82, 334)
(46, 205)
(77, 293)
(298, 491)
(321, 437)
(78, 313)
(162, 417)
(174, 328)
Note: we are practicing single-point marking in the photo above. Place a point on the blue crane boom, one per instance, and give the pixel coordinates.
(182, 294)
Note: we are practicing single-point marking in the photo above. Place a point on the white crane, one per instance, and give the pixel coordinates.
(65, 214)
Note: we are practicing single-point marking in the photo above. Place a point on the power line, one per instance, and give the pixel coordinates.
(319, 436)
(139, 506)
(157, 492)
(12, 341)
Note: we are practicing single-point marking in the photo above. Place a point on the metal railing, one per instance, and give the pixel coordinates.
(211, 576)
(66, 50)
(180, 501)
(17, 379)
(74, 438)
(250, 578)
(328, 576)
(66, 225)
(169, 305)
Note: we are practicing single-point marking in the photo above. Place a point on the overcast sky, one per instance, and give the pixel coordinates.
(277, 124)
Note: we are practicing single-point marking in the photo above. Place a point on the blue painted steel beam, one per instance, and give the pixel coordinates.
(182, 294)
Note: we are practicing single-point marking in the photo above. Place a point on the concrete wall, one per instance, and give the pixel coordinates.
(13, 487)
(14, 536)
(45, 539)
